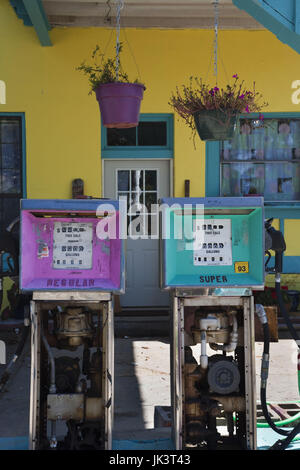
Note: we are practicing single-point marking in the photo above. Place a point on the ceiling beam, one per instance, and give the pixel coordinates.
(155, 22)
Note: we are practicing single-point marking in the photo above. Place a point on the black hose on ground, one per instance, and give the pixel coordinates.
(265, 370)
(281, 444)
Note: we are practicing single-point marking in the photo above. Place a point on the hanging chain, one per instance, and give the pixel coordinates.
(216, 6)
(120, 5)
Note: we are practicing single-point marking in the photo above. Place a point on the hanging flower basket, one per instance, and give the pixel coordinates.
(212, 111)
(215, 124)
(119, 99)
(120, 104)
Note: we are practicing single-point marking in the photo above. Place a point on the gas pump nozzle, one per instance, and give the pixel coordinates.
(274, 240)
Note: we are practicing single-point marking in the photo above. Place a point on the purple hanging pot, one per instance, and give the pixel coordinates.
(120, 104)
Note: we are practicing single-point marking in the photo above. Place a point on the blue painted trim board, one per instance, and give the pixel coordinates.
(67, 204)
(283, 22)
(33, 14)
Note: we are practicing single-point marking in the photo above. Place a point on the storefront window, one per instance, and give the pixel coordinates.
(10, 169)
(262, 160)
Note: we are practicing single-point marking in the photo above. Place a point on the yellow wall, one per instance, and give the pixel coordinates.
(63, 121)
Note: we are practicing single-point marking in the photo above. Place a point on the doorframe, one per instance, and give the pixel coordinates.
(145, 309)
(171, 173)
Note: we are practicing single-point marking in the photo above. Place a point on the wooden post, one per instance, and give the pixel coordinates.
(186, 188)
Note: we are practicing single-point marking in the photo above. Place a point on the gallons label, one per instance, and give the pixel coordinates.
(72, 245)
(212, 243)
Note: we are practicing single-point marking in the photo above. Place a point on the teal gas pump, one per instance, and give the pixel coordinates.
(212, 256)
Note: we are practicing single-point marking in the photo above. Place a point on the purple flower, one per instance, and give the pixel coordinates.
(247, 109)
(235, 75)
(216, 89)
(211, 92)
(242, 96)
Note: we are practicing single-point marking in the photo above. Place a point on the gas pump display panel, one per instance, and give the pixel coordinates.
(61, 248)
(212, 242)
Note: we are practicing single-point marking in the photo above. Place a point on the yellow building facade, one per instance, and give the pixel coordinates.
(63, 138)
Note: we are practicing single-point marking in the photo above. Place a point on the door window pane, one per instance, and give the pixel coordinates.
(152, 133)
(11, 155)
(150, 180)
(9, 210)
(10, 130)
(151, 201)
(121, 137)
(10, 181)
(137, 180)
(123, 180)
(147, 133)
(140, 189)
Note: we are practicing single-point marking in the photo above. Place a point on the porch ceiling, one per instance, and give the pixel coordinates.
(148, 14)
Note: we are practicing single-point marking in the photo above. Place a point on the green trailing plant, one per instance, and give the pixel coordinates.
(231, 100)
(103, 70)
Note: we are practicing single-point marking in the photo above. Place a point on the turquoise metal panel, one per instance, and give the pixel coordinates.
(182, 265)
(212, 169)
(278, 16)
(21, 12)
(24, 166)
(140, 152)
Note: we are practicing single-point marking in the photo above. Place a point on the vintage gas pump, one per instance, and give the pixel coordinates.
(212, 255)
(72, 260)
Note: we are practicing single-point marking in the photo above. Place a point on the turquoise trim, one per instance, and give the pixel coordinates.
(291, 264)
(166, 151)
(278, 16)
(24, 166)
(23, 127)
(212, 169)
(21, 12)
(33, 14)
(297, 17)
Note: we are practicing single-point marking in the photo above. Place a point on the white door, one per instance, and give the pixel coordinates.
(142, 183)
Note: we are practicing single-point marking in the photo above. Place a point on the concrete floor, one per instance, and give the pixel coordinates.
(142, 381)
